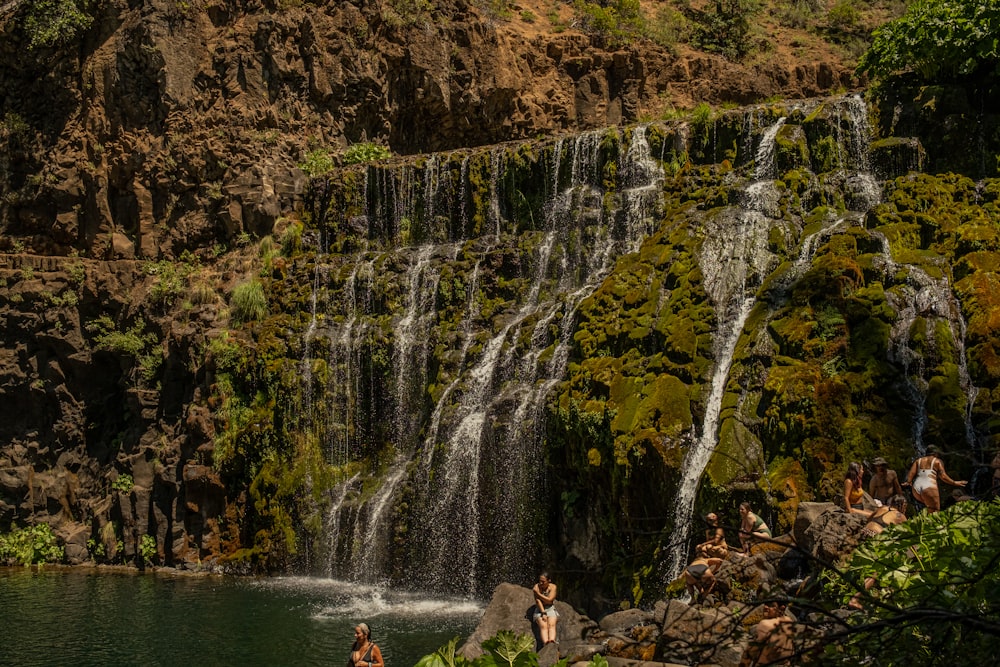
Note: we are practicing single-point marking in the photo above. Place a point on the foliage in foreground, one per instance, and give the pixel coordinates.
(29, 546)
(937, 588)
(505, 649)
(940, 40)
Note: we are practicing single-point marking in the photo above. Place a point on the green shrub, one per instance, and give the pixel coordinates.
(936, 583)
(939, 40)
(504, 648)
(123, 483)
(248, 302)
(291, 239)
(366, 152)
(54, 22)
(31, 545)
(844, 15)
(318, 162)
(170, 279)
(147, 548)
(726, 30)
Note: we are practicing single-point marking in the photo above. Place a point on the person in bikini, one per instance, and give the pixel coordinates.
(924, 475)
(854, 490)
(545, 615)
(751, 526)
(892, 514)
(364, 652)
(699, 576)
(884, 483)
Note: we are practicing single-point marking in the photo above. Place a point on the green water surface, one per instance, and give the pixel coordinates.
(74, 617)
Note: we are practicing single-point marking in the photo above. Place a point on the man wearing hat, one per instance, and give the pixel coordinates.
(884, 483)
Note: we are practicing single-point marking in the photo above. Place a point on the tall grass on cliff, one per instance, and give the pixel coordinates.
(248, 302)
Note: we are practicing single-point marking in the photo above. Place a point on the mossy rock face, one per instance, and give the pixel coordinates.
(822, 373)
(956, 125)
(897, 156)
(792, 148)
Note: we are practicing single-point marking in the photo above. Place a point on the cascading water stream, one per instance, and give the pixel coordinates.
(931, 299)
(734, 261)
(469, 429)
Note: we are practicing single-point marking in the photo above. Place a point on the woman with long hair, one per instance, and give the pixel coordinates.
(364, 652)
(751, 526)
(854, 490)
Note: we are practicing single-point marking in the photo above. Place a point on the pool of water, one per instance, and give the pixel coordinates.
(74, 617)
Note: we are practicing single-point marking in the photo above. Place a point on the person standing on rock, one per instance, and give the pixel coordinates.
(924, 475)
(699, 576)
(884, 483)
(546, 615)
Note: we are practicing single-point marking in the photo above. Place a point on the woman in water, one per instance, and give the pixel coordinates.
(854, 490)
(924, 474)
(364, 652)
(546, 615)
(751, 526)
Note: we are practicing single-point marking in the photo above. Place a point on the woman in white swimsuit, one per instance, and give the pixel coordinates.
(924, 474)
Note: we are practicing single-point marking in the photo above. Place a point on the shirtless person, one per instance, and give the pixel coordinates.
(715, 545)
(772, 638)
(884, 483)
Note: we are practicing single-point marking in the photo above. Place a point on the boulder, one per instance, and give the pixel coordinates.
(699, 635)
(621, 621)
(806, 515)
(510, 609)
(833, 535)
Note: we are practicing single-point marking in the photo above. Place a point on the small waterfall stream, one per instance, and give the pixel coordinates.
(734, 260)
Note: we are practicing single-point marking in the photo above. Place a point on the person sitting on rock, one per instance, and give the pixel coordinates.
(751, 526)
(854, 490)
(893, 514)
(699, 576)
(884, 483)
(771, 643)
(715, 545)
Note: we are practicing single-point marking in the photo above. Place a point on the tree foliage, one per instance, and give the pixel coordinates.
(937, 587)
(940, 40)
(54, 22)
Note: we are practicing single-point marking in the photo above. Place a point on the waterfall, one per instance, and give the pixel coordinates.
(469, 451)
(932, 299)
(734, 261)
